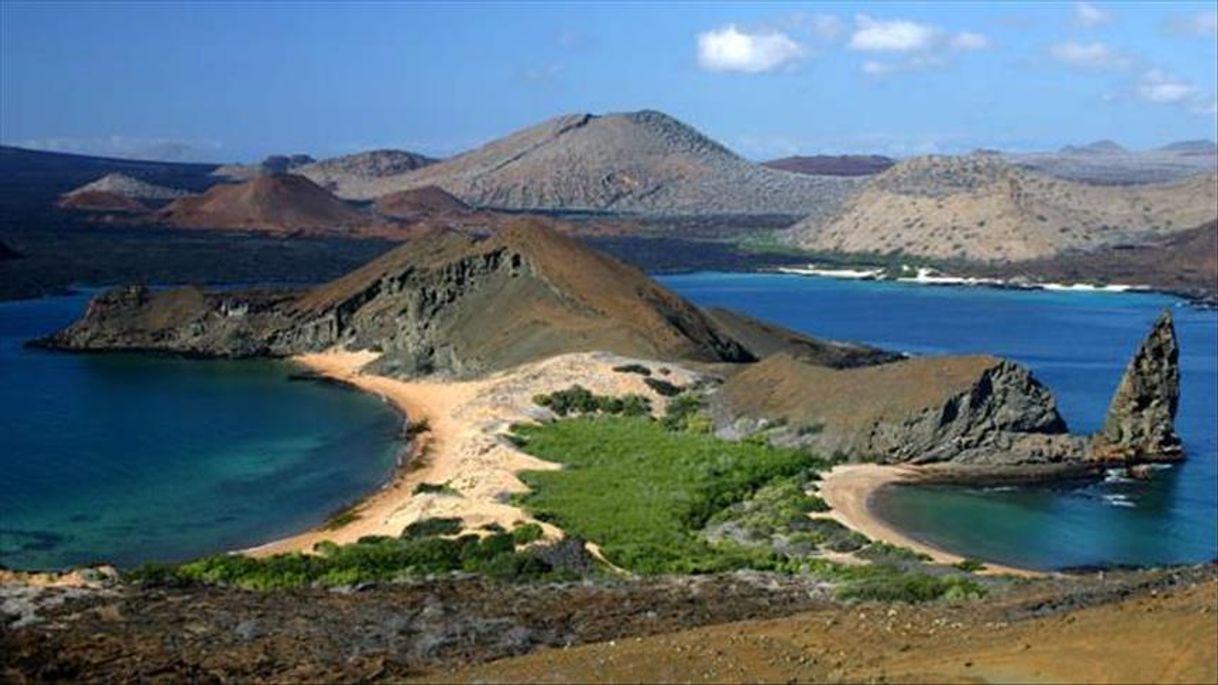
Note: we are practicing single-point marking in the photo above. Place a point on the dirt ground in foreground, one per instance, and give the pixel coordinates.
(1117, 626)
(1154, 638)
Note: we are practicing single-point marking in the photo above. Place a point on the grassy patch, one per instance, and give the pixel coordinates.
(644, 493)
(885, 553)
(433, 526)
(633, 368)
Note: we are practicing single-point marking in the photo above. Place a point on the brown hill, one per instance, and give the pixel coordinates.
(419, 202)
(644, 162)
(129, 186)
(282, 202)
(833, 165)
(980, 207)
(100, 201)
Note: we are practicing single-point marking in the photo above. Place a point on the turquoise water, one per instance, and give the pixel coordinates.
(1076, 343)
(130, 458)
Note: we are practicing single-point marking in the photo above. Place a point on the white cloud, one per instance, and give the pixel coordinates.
(968, 41)
(1199, 25)
(730, 49)
(1162, 87)
(1089, 55)
(1089, 16)
(1209, 110)
(894, 35)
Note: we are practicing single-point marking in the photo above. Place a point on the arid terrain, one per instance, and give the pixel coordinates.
(982, 208)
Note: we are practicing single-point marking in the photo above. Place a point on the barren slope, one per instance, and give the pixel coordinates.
(632, 162)
(980, 207)
(341, 174)
(277, 202)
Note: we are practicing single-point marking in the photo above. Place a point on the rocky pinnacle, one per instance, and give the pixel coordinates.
(1140, 425)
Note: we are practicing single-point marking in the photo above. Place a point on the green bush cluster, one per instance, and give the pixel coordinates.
(579, 400)
(436, 489)
(779, 507)
(433, 526)
(524, 534)
(883, 552)
(886, 583)
(633, 368)
(644, 493)
(970, 565)
(372, 558)
(685, 413)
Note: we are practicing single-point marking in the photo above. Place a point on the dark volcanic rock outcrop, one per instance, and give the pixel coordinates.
(1140, 424)
(973, 410)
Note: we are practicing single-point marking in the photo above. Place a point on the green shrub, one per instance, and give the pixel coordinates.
(970, 565)
(524, 534)
(433, 526)
(883, 552)
(682, 412)
(436, 489)
(577, 400)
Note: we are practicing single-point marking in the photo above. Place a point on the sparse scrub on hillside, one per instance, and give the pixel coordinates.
(633, 368)
(436, 489)
(577, 400)
(662, 387)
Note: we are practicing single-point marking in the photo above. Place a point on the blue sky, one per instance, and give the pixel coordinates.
(236, 81)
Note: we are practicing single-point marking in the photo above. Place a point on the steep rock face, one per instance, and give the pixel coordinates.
(1140, 424)
(968, 410)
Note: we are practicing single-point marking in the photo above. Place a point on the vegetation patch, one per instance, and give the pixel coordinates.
(970, 565)
(436, 489)
(885, 553)
(433, 526)
(644, 493)
(578, 400)
(633, 368)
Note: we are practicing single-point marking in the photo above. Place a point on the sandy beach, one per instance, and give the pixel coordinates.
(848, 489)
(465, 446)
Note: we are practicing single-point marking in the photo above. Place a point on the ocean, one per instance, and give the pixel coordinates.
(1078, 345)
(129, 458)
